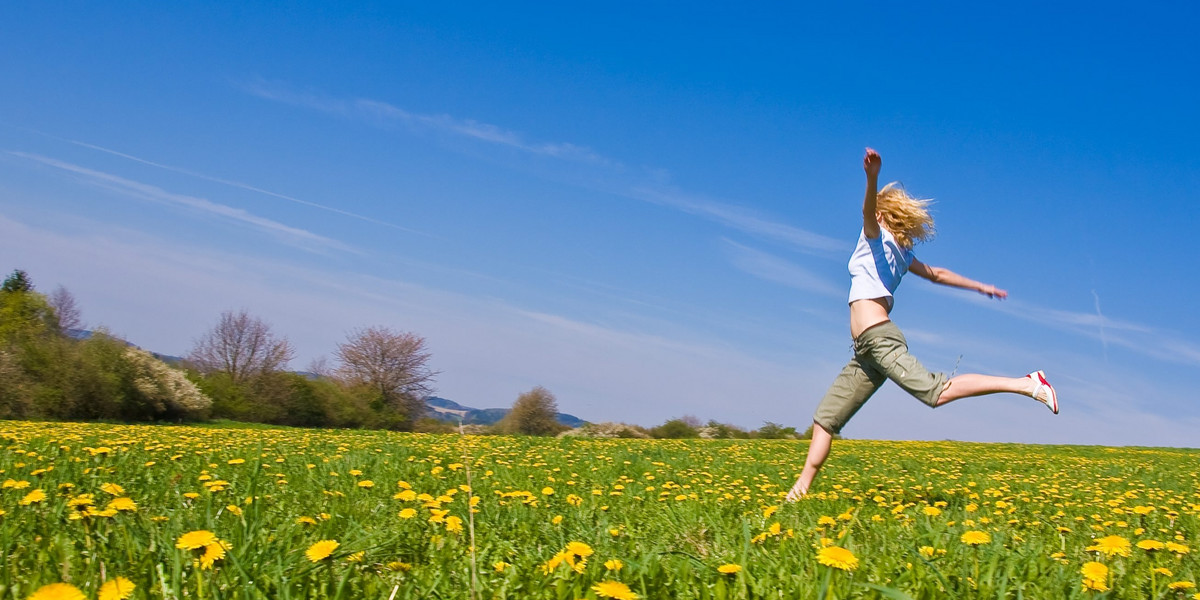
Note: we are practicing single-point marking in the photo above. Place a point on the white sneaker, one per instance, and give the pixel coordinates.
(1044, 392)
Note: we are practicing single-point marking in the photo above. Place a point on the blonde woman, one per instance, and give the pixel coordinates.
(892, 222)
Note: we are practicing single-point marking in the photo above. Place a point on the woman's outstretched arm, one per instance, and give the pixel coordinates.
(952, 279)
(872, 162)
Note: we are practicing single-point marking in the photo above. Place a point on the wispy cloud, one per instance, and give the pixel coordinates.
(385, 114)
(775, 269)
(741, 219)
(1140, 338)
(240, 185)
(289, 234)
(616, 177)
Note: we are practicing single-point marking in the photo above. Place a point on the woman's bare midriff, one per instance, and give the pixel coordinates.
(867, 313)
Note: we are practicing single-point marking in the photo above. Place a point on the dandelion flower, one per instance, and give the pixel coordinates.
(194, 540)
(305, 520)
(579, 549)
(58, 591)
(33, 497)
(366, 483)
(931, 511)
(838, 558)
(499, 566)
(113, 489)
(126, 504)
(1177, 548)
(557, 519)
(1181, 585)
(321, 550)
(614, 564)
(454, 524)
(117, 588)
(926, 551)
(1151, 545)
(614, 589)
(975, 538)
(1094, 576)
(547, 491)
(1112, 545)
(408, 513)
(212, 553)
(729, 569)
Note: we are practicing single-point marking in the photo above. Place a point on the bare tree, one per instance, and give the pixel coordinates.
(393, 364)
(63, 303)
(242, 347)
(534, 413)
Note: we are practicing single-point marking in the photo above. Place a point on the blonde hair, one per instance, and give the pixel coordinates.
(907, 218)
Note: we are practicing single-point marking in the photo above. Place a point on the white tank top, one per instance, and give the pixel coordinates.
(876, 267)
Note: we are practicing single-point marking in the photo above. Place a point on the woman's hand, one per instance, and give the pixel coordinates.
(872, 162)
(992, 291)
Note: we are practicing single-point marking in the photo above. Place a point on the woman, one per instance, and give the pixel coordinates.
(892, 222)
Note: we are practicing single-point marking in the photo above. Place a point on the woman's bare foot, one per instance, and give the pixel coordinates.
(796, 493)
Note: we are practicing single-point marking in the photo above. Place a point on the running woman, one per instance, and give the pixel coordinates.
(892, 222)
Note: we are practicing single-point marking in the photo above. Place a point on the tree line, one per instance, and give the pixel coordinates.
(238, 370)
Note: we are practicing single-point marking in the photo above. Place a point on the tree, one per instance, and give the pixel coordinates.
(393, 366)
(683, 427)
(534, 413)
(63, 303)
(17, 281)
(775, 431)
(242, 347)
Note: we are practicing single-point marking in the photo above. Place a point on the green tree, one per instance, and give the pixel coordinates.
(775, 431)
(534, 413)
(17, 281)
(683, 427)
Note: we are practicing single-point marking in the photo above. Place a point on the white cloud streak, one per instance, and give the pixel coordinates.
(292, 235)
(775, 269)
(384, 114)
(243, 186)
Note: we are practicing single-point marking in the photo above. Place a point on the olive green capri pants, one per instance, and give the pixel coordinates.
(880, 353)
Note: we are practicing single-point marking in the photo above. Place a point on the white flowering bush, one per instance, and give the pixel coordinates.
(606, 430)
(165, 388)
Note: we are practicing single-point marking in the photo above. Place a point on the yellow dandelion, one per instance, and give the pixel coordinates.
(729, 569)
(233, 508)
(825, 521)
(1094, 576)
(396, 565)
(321, 550)
(408, 513)
(931, 511)
(1163, 571)
(1181, 585)
(1151, 545)
(305, 520)
(579, 549)
(366, 483)
(117, 588)
(58, 591)
(33, 497)
(976, 538)
(194, 540)
(574, 500)
(547, 491)
(454, 524)
(614, 564)
(125, 504)
(557, 519)
(614, 589)
(500, 565)
(838, 558)
(212, 553)
(357, 557)
(768, 511)
(113, 489)
(1112, 545)
(405, 495)
(926, 551)
(1177, 548)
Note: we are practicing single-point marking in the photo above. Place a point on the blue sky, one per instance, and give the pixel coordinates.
(646, 209)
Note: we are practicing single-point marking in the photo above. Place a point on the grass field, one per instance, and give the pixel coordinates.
(113, 511)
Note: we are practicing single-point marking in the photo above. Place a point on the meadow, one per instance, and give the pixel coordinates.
(120, 511)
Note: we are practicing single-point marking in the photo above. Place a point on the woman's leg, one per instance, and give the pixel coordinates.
(818, 451)
(973, 384)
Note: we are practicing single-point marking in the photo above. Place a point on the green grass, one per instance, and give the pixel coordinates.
(670, 511)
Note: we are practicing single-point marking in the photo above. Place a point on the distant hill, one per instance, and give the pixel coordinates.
(451, 412)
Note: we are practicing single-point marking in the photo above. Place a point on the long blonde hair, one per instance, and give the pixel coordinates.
(907, 218)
